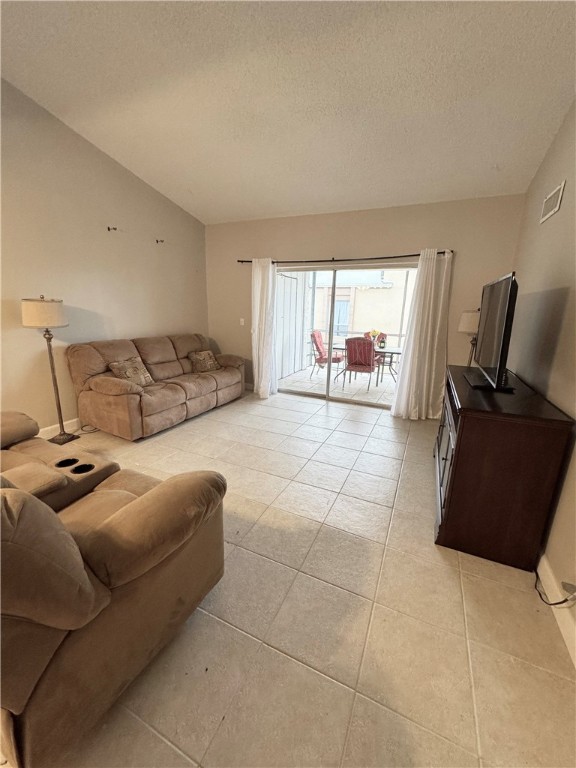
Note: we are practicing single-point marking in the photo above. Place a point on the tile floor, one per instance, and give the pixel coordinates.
(355, 390)
(340, 635)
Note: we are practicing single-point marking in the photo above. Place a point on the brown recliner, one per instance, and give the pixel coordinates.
(56, 474)
(89, 597)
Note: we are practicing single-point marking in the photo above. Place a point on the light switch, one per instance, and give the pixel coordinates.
(241, 321)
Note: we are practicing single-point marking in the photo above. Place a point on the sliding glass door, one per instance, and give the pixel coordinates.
(319, 312)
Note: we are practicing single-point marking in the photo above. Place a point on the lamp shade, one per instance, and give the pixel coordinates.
(469, 322)
(43, 313)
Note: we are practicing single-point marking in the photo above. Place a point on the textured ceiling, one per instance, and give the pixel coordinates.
(242, 110)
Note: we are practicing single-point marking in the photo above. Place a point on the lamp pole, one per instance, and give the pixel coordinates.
(473, 341)
(62, 437)
(48, 313)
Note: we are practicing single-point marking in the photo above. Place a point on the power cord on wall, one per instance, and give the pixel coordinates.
(568, 599)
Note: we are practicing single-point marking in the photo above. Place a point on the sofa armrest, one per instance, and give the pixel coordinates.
(35, 478)
(147, 530)
(110, 385)
(15, 427)
(230, 360)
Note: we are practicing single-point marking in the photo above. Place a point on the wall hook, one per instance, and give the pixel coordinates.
(112, 229)
(159, 241)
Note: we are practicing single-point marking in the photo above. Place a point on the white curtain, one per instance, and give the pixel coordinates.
(420, 386)
(263, 302)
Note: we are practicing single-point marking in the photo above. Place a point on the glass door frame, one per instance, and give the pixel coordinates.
(409, 263)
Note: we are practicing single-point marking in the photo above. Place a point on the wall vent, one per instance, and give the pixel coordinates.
(552, 203)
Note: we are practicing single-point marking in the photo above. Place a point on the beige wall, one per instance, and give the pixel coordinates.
(59, 194)
(543, 346)
(483, 234)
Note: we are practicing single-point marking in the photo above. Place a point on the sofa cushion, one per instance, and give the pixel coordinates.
(195, 384)
(108, 384)
(43, 574)
(129, 480)
(159, 355)
(186, 343)
(133, 370)
(16, 426)
(226, 377)
(203, 362)
(92, 510)
(161, 396)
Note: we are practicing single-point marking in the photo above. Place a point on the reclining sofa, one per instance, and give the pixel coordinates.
(91, 594)
(175, 393)
(56, 474)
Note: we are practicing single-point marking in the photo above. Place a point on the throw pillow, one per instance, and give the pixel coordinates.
(203, 362)
(133, 370)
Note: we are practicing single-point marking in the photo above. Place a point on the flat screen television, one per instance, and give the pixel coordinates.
(494, 331)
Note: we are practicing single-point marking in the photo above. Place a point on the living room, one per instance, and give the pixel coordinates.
(85, 221)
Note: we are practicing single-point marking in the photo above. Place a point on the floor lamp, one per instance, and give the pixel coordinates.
(469, 324)
(48, 313)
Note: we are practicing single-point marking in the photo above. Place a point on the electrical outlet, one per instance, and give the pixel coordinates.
(570, 589)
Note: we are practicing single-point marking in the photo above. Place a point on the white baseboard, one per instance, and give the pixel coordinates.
(70, 426)
(565, 615)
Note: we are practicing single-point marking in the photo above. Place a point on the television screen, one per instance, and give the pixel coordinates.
(495, 327)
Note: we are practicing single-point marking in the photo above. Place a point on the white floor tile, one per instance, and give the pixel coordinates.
(305, 500)
(250, 593)
(363, 518)
(421, 672)
(321, 475)
(345, 560)
(323, 626)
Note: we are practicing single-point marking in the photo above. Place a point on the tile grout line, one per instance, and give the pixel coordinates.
(470, 670)
(557, 675)
(158, 734)
(237, 693)
(363, 655)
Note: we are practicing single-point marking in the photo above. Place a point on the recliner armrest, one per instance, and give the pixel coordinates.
(230, 360)
(147, 530)
(16, 426)
(35, 478)
(110, 385)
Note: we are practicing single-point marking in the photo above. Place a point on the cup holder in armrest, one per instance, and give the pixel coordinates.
(66, 463)
(81, 469)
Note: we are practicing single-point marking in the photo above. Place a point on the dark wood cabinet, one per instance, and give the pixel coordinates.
(500, 459)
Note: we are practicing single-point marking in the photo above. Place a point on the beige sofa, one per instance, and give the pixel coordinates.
(131, 411)
(89, 597)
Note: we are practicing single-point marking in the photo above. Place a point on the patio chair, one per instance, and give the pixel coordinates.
(360, 358)
(382, 357)
(320, 354)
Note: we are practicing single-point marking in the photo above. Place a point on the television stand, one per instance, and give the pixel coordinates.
(499, 466)
(477, 380)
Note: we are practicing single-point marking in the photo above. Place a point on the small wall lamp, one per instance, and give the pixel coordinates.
(48, 313)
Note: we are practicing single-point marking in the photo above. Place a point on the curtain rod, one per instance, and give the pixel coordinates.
(338, 261)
